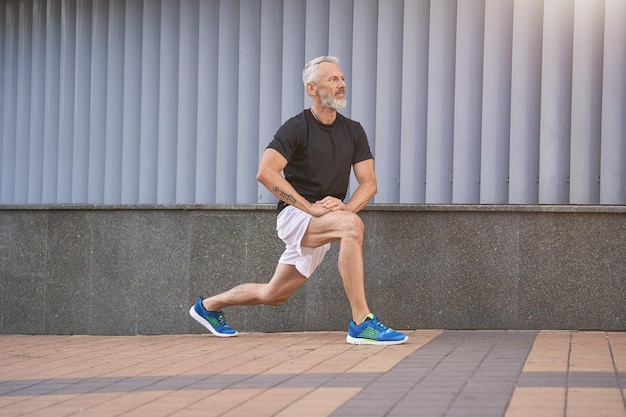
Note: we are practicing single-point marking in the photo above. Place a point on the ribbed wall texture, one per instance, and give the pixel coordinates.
(173, 101)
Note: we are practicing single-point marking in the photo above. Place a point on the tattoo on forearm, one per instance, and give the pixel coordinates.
(283, 195)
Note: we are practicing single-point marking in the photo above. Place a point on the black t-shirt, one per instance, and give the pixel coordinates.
(320, 157)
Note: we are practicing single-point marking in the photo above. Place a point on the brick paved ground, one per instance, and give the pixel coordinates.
(437, 373)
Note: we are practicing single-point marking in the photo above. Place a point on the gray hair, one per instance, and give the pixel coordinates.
(309, 73)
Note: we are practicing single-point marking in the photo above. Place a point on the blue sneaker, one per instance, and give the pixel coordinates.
(373, 332)
(212, 320)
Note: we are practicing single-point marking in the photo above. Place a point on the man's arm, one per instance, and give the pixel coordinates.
(366, 177)
(270, 175)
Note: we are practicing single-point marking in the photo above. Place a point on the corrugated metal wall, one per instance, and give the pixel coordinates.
(173, 101)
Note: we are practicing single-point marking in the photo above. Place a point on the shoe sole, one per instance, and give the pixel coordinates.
(197, 317)
(361, 341)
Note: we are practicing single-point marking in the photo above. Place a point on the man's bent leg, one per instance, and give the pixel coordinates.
(348, 228)
(365, 328)
(351, 269)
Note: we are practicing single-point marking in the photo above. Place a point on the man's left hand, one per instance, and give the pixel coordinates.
(332, 203)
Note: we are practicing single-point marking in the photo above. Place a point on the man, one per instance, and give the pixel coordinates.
(315, 150)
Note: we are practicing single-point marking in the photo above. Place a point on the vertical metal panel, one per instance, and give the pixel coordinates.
(168, 102)
(37, 104)
(248, 102)
(556, 96)
(23, 123)
(51, 110)
(270, 82)
(525, 102)
(150, 70)
(207, 101)
(468, 101)
(9, 103)
(227, 91)
(114, 98)
(293, 95)
(187, 102)
(496, 102)
(66, 102)
(364, 53)
(102, 123)
(613, 153)
(414, 102)
(440, 132)
(586, 102)
(82, 100)
(131, 110)
(388, 102)
(4, 41)
(365, 33)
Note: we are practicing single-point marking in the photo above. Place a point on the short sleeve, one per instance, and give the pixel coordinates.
(362, 151)
(288, 137)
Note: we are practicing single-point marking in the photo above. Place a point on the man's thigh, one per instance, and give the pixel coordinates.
(327, 228)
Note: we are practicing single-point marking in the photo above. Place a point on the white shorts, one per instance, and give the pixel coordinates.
(291, 225)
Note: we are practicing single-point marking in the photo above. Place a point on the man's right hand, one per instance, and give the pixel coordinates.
(317, 209)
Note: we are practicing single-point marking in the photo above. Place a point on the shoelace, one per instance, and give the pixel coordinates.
(379, 326)
(220, 318)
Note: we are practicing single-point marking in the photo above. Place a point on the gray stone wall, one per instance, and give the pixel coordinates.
(137, 270)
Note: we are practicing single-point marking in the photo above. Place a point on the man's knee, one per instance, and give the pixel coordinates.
(274, 299)
(353, 227)
(273, 295)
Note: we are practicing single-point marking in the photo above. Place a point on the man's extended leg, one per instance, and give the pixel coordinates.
(285, 281)
(208, 313)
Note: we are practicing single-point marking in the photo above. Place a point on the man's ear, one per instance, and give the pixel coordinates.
(311, 89)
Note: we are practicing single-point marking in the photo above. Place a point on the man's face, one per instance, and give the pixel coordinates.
(331, 86)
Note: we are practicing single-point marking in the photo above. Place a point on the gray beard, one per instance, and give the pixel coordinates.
(334, 103)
